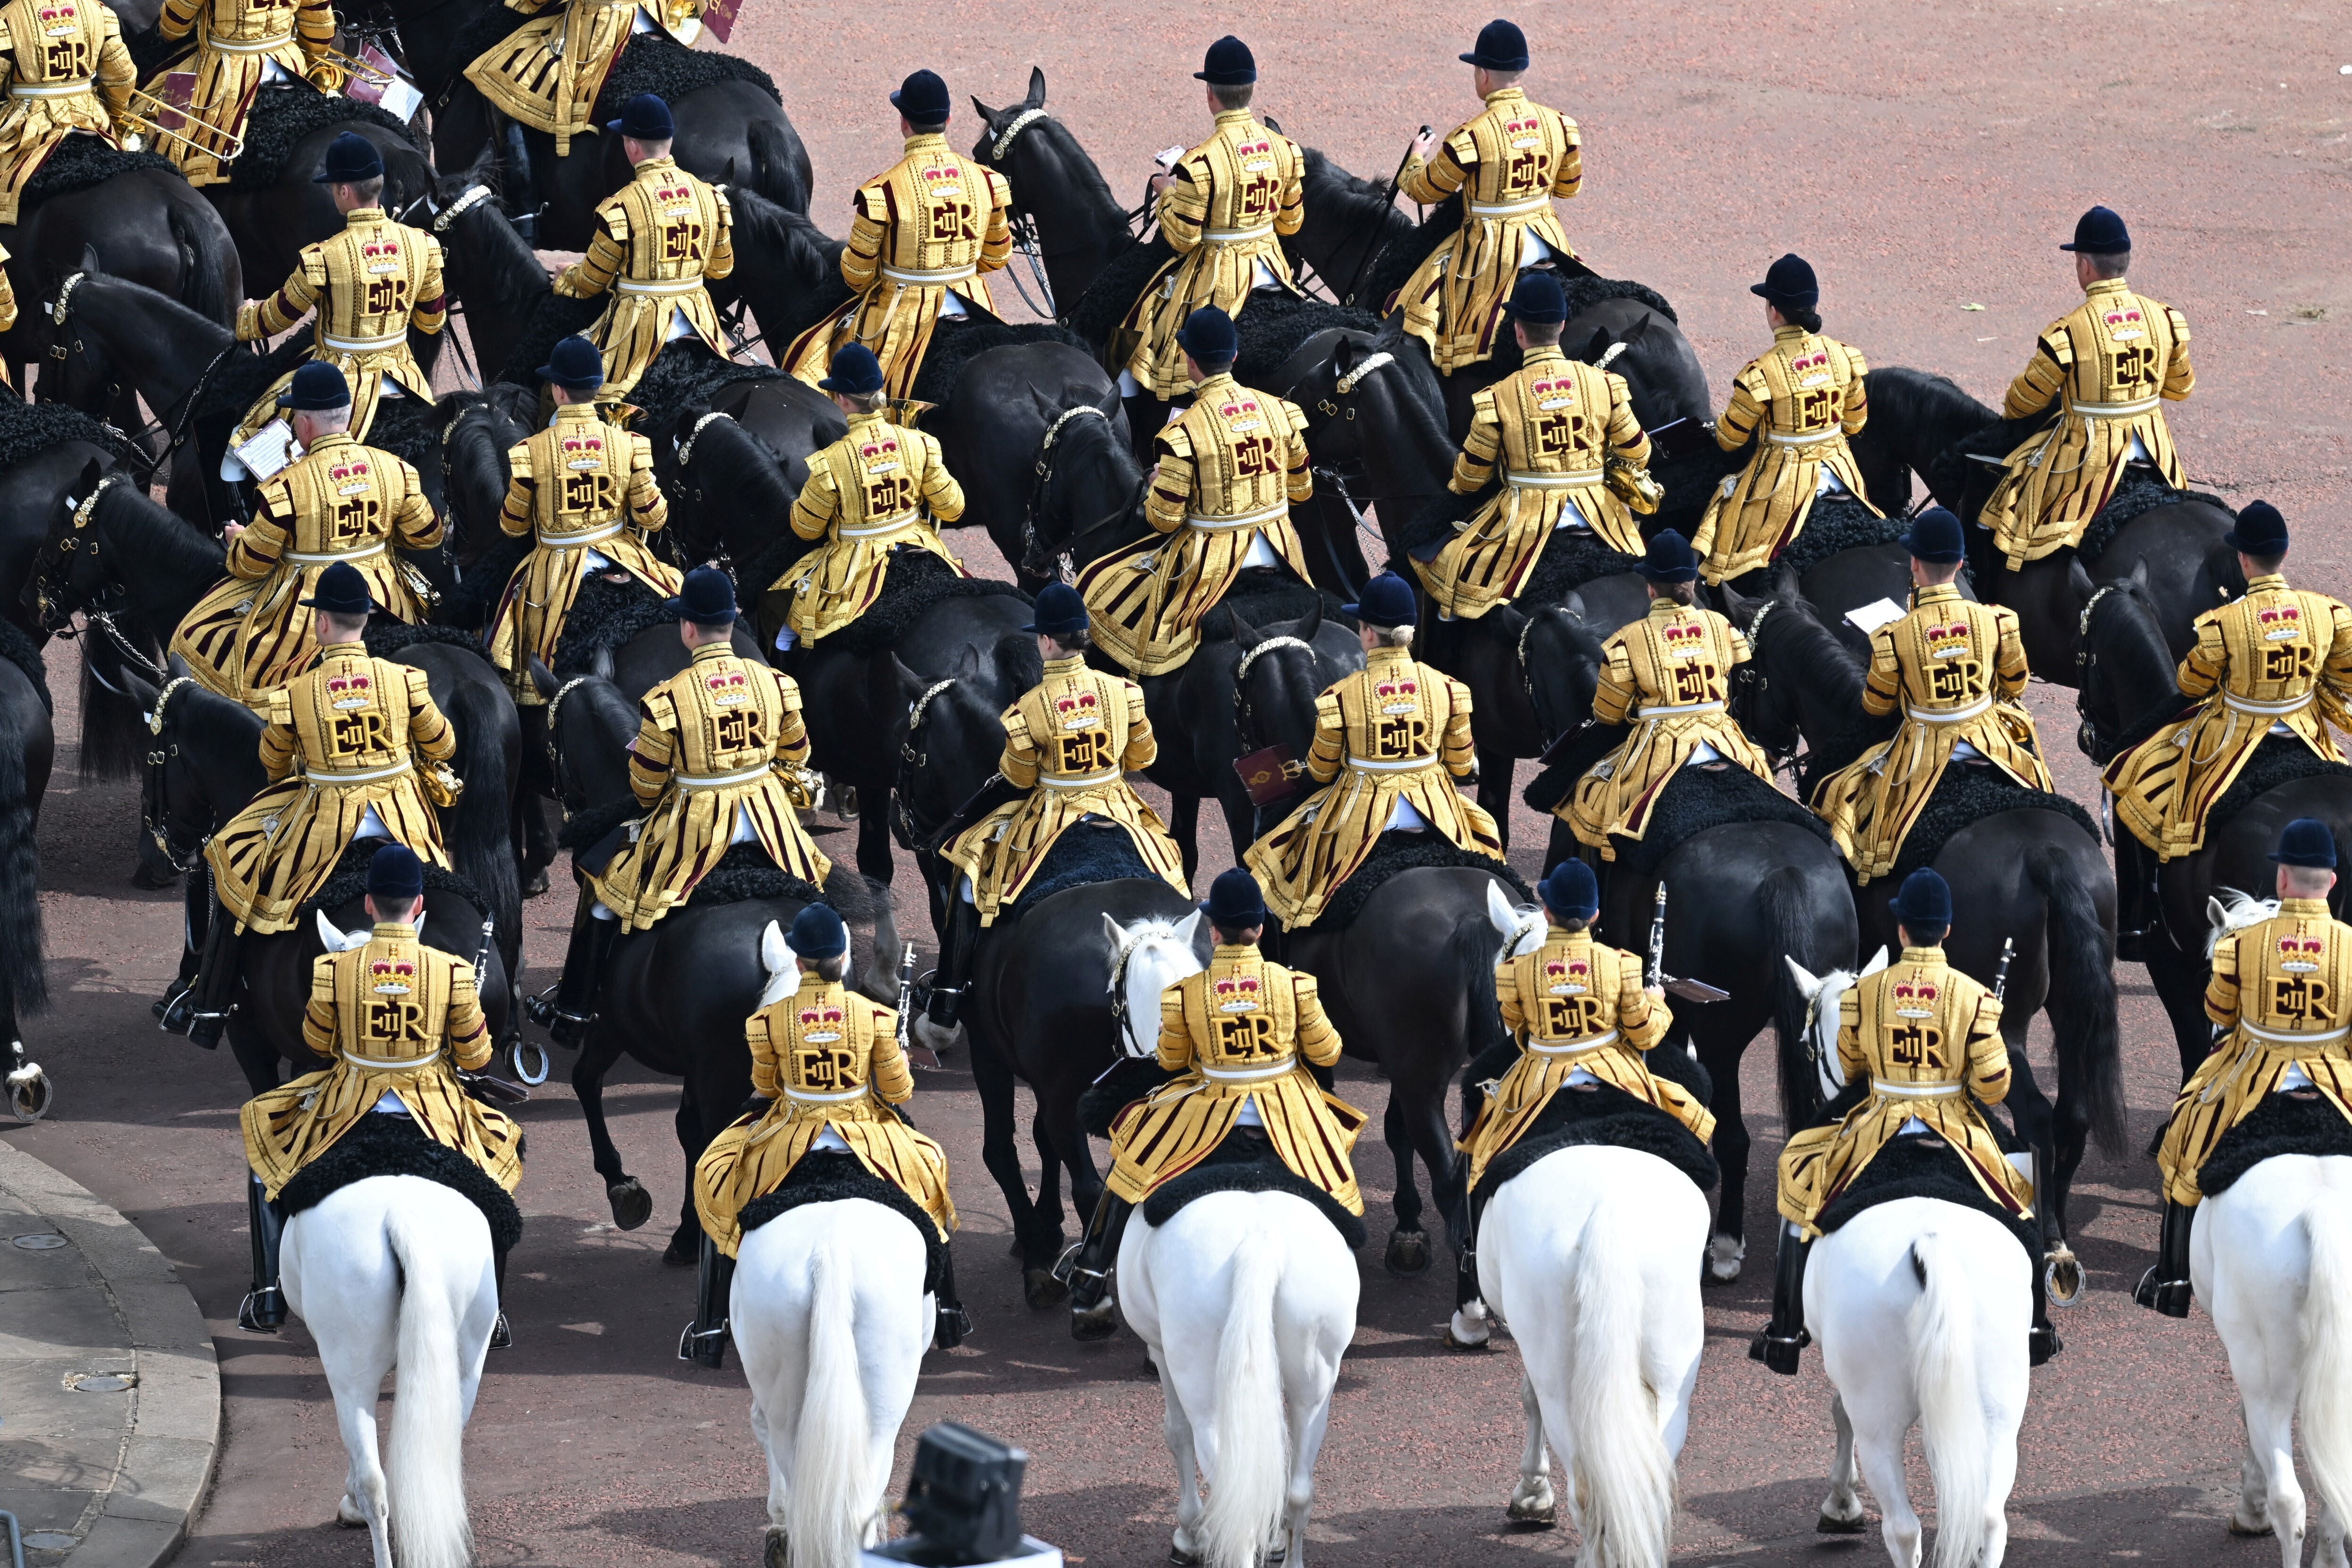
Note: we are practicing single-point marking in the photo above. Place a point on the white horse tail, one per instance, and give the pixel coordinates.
(1951, 1406)
(2326, 1396)
(427, 1477)
(831, 1489)
(1624, 1479)
(1249, 1491)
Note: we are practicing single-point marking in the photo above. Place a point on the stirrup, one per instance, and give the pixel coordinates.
(1065, 1268)
(570, 1030)
(1778, 1351)
(262, 1311)
(501, 1337)
(704, 1347)
(2169, 1297)
(205, 1029)
(540, 1007)
(954, 1327)
(177, 1010)
(953, 996)
(2041, 1342)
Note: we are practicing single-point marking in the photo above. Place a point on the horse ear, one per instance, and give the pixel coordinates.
(600, 664)
(1245, 635)
(1807, 981)
(1573, 608)
(92, 471)
(1877, 961)
(1114, 934)
(90, 261)
(971, 666)
(1188, 930)
(1037, 99)
(1499, 912)
(2078, 583)
(727, 175)
(1641, 330)
(1784, 581)
(1597, 347)
(1307, 625)
(773, 953)
(2140, 572)
(994, 117)
(1734, 605)
(1111, 404)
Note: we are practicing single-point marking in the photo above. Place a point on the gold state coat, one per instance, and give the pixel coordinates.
(1798, 404)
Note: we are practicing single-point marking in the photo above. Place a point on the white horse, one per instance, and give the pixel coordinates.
(1587, 1255)
(396, 1271)
(2272, 1259)
(1147, 957)
(1246, 1301)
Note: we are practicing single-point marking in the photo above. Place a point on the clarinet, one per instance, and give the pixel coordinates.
(2001, 973)
(1658, 976)
(906, 990)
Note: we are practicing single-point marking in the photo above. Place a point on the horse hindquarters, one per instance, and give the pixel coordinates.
(1588, 1254)
(831, 1319)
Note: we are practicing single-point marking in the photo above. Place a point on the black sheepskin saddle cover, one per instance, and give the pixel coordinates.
(1836, 523)
(956, 346)
(916, 581)
(2139, 491)
(348, 882)
(659, 64)
(605, 617)
(1702, 798)
(17, 646)
(1599, 1114)
(1272, 326)
(82, 162)
(394, 1146)
(283, 116)
(28, 429)
(1965, 796)
(2299, 1123)
(1569, 560)
(685, 374)
(1266, 596)
(830, 1176)
(1395, 852)
(1085, 853)
(388, 638)
(555, 318)
(1098, 313)
(2279, 760)
(407, 427)
(1925, 1167)
(1244, 1162)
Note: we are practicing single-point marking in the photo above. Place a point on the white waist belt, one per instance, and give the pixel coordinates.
(363, 345)
(575, 541)
(1550, 481)
(2248, 705)
(1251, 1075)
(1914, 1090)
(892, 526)
(2278, 1039)
(1236, 236)
(1247, 520)
(1815, 439)
(720, 781)
(811, 1097)
(1508, 209)
(258, 46)
(49, 90)
(656, 285)
(1572, 1048)
(365, 775)
(360, 1061)
(1929, 716)
(2114, 410)
(1367, 765)
(306, 558)
(944, 275)
(1085, 780)
(1669, 713)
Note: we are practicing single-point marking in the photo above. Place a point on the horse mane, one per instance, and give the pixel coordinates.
(1359, 202)
(511, 270)
(164, 541)
(1092, 443)
(476, 438)
(2122, 624)
(736, 463)
(808, 258)
(1086, 177)
(1832, 677)
(1394, 265)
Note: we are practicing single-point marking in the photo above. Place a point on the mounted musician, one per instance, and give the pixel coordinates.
(1554, 426)
(399, 1021)
(923, 234)
(340, 748)
(713, 766)
(2278, 996)
(1223, 208)
(369, 285)
(881, 488)
(66, 72)
(2115, 360)
(1392, 748)
(583, 489)
(233, 48)
(1230, 468)
(1508, 163)
(1668, 676)
(1956, 669)
(658, 240)
(1797, 405)
(2276, 662)
(338, 501)
(827, 1075)
(1241, 1035)
(1069, 744)
(1921, 1043)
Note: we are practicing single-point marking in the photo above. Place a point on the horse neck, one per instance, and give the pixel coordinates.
(499, 266)
(160, 346)
(1558, 660)
(1827, 681)
(1927, 414)
(1405, 446)
(1096, 479)
(1159, 961)
(1080, 225)
(428, 32)
(2137, 661)
(162, 562)
(1280, 691)
(221, 740)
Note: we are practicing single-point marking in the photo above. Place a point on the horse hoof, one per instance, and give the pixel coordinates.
(685, 1249)
(933, 1038)
(779, 1552)
(536, 883)
(1408, 1254)
(1040, 1288)
(154, 881)
(632, 1204)
(1538, 1511)
(1830, 1524)
(1013, 1249)
(2258, 1530)
(1724, 1256)
(1182, 1556)
(2062, 1277)
(348, 1515)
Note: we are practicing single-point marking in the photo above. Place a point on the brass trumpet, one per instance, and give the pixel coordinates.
(350, 65)
(143, 116)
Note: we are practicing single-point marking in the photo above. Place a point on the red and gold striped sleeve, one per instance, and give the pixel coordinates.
(2043, 377)
(470, 1032)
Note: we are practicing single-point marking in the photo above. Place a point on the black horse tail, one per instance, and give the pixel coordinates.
(20, 864)
(115, 736)
(2081, 1000)
(481, 845)
(205, 286)
(1780, 900)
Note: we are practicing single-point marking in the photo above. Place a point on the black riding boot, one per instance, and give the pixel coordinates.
(1146, 416)
(520, 198)
(263, 1311)
(705, 1341)
(567, 1018)
(955, 1323)
(1094, 1314)
(216, 978)
(178, 1007)
(2042, 1340)
(2135, 899)
(501, 1336)
(2165, 1287)
(1784, 1337)
(954, 972)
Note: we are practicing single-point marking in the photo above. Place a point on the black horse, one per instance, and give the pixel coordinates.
(27, 749)
(494, 277)
(1067, 214)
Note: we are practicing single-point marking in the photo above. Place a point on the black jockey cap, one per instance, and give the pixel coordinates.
(922, 98)
(350, 158)
(342, 591)
(1790, 283)
(854, 371)
(1234, 902)
(2261, 530)
(1386, 601)
(1924, 902)
(1208, 335)
(1060, 613)
(575, 364)
(1570, 892)
(707, 598)
(395, 873)
(2100, 232)
(644, 118)
(1229, 64)
(1538, 298)
(315, 388)
(1935, 537)
(818, 932)
(1501, 48)
(1670, 559)
(2306, 842)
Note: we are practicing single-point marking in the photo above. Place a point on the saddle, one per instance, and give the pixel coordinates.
(279, 120)
(382, 1145)
(1592, 1114)
(347, 883)
(1264, 596)
(1698, 799)
(1926, 1167)
(1087, 852)
(604, 618)
(1244, 1163)
(831, 1176)
(1835, 523)
(81, 162)
(2139, 491)
(2278, 760)
(2292, 1123)
(1570, 559)
(1395, 852)
(954, 345)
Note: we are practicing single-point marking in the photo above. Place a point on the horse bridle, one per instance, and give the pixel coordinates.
(153, 815)
(61, 311)
(902, 821)
(1045, 483)
(1243, 716)
(1121, 1022)
(1749, 683)
(45, 595)
(2088, 734)
(1023, 225)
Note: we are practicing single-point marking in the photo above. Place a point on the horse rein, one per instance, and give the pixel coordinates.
(61, 311)
(1045, 468)
(1750, 682)
(1023, 225)
(152, 816)
(2088, 734)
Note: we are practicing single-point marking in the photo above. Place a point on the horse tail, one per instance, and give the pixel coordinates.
(21, 975)
(2326, 1393)
(481, 843)
(1780, 900)
(2081, 1000)
(1944, 1345)
(1624, 1479)
(114, 738)
(203, 288)
(427, 1477)
(1251, 1487)
(830, 1503)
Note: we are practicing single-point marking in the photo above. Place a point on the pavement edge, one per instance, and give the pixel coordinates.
(173, 1437)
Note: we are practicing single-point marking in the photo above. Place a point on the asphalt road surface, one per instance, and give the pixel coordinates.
(1927, 159)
